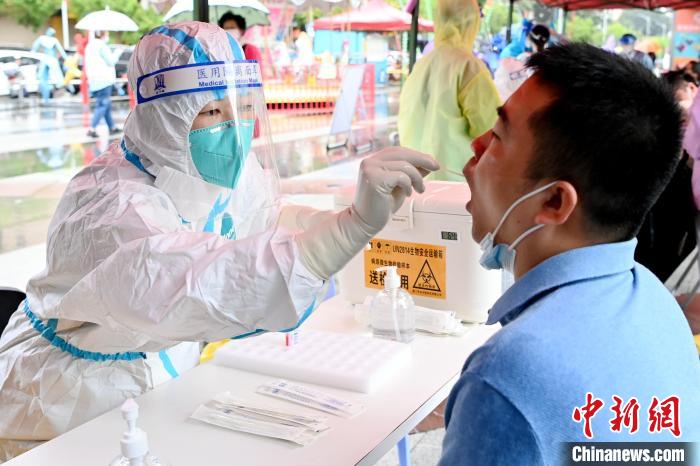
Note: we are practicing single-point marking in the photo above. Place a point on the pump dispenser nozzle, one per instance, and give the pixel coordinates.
(134, 441)
(392, 281)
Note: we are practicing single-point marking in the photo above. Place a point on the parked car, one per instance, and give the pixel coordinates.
(4, 85)
(124, 57)
(121, 66)
(21, 69)
(21, 47)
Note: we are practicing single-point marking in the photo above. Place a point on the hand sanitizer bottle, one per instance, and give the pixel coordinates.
(134, 441)
(392, 310)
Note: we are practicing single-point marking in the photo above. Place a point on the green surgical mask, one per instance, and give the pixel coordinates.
(219, 151)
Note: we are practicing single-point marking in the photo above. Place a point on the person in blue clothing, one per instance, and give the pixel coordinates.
(517, 45)
(49, 71)
(628, 43)
(592, 347)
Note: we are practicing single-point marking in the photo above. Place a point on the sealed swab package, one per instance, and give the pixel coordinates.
(227, 411)
(311, 398)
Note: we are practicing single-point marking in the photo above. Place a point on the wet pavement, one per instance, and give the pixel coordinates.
(43, 147)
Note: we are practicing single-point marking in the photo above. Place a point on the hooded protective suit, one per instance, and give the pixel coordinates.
(518, 45)
(142, 264)
(449, 97)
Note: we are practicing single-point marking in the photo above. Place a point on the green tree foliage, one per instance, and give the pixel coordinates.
(496, 17)
(496, 14)
(427, 7)
(588, 26)
(582, 29)
(35, 13)
(304, 16)
(336, 10)
(32, 13)
(618, 30)
(146, 19)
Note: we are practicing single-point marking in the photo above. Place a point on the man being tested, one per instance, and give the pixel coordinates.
(560, 186)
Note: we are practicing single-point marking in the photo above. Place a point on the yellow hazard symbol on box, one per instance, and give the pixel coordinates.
(421, 266)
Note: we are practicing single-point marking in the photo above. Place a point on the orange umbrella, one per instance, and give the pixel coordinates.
(649, 45)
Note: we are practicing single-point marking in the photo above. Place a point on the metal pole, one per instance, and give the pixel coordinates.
(563, 27)
(64, 23)
(413, 37)
(510, 21)
(201, 10)
(671, 48)
(605, 26)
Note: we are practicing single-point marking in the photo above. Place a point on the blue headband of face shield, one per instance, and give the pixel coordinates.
(218, 151)
(217, 77)
(188, 79)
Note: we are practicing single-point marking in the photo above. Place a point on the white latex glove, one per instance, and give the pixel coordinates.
(386, 179)
(299, 217)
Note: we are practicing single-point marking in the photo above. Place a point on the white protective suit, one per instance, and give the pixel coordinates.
(130, 288)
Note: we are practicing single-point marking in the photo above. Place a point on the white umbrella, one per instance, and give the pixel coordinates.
(254, 12)
(107, 20)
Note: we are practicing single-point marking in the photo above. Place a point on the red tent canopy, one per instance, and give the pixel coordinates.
(373, 16)
(572, 5)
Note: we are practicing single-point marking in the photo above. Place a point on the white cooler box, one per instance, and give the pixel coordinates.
(429, 240)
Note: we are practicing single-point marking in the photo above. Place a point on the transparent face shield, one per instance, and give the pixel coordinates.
(229, 145)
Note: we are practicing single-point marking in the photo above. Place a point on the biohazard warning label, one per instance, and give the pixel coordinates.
(421, 266)
(426, 280)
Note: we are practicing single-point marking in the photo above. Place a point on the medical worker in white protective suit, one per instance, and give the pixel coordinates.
(174, 237)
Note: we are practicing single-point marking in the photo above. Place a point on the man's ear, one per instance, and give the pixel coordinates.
(560, 203)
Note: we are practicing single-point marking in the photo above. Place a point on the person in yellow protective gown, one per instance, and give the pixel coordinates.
(449, 98)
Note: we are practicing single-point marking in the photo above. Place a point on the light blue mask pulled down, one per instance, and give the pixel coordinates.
(502, 256)
(219, 151)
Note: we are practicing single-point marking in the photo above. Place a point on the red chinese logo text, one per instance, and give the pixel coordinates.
(586, 412)
(627, 416)
(663, 414)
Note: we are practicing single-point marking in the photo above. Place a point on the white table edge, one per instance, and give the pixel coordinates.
(407, 425)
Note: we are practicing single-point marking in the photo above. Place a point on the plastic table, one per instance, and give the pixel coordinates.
(390, 414)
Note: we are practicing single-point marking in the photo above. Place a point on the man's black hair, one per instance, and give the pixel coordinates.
(613, 131)
(694, 69)
(539, 35)
(678, 80)
(238, 19)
